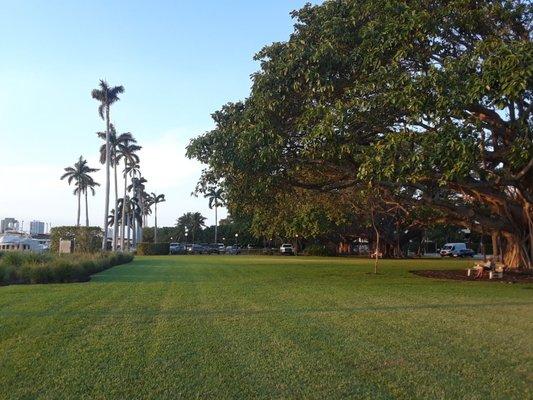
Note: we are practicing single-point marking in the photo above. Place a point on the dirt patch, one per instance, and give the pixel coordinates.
(460, 275)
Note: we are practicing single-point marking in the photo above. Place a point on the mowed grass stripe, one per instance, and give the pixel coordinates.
(266, 327)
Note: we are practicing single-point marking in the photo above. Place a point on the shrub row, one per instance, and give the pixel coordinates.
(153, 249)
(21, 268)
(319, 250)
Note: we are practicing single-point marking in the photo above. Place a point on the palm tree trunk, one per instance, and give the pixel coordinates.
(155, 222)
(143, 220)
(115, 214)
(124, 205)
(79, 207)
(216, 224)
(86, 210)
(107, 174)
(129, 232)
(134, 229)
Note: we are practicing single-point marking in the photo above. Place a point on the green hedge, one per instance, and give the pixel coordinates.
(153, 249)
(86, 239)
(21, 268)
(319, 250)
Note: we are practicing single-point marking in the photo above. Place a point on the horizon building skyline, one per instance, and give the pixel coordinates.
(37, 227)
(9, 224)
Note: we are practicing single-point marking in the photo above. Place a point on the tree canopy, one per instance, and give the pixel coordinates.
(421, 107)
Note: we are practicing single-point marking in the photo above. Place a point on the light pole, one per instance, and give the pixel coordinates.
(236, 238)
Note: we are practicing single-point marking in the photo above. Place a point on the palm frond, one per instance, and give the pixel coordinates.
(101, 109)
(115, 91)
(103, 154)
(98, 95)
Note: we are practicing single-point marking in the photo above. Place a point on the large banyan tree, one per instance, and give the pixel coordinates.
(425, 105)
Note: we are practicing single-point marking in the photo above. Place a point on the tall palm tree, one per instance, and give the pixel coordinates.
(106, 95)
(134, 217)
(156, 199)
(86, 185)
(116, 142)
(125, 221)
(216, 200)
(146, 206)
(79, 173)
(127, 150)
(138, 186)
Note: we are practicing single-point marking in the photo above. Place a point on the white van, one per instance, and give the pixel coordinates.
(452, 249)
(287, 249)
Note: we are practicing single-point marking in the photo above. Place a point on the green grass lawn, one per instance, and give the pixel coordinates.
(266, 327)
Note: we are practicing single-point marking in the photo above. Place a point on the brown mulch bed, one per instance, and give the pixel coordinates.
(460, 275)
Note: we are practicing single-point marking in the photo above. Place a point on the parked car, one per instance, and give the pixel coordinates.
(195, 249)
(221, 248)
(286, 249)
(452, 249)
(213, 248)
(206, 249)
(233, 249)
(177, 248)
(465, 253)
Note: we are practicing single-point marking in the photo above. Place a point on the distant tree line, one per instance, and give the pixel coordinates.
(191, 228)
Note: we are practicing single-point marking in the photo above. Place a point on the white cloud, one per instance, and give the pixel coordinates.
(164, 162)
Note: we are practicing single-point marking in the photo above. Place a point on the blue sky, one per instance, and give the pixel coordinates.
(178, 60)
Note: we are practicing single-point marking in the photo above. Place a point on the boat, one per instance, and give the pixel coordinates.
(19, 241)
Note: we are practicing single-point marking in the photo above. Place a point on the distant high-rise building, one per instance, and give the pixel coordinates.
(9, 224)
(36, 228)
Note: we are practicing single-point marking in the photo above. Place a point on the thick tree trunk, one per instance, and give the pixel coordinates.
(516, 246)
(528, 212)
(495, 245)
(397, 247)
(107, 180)
(515, 251)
